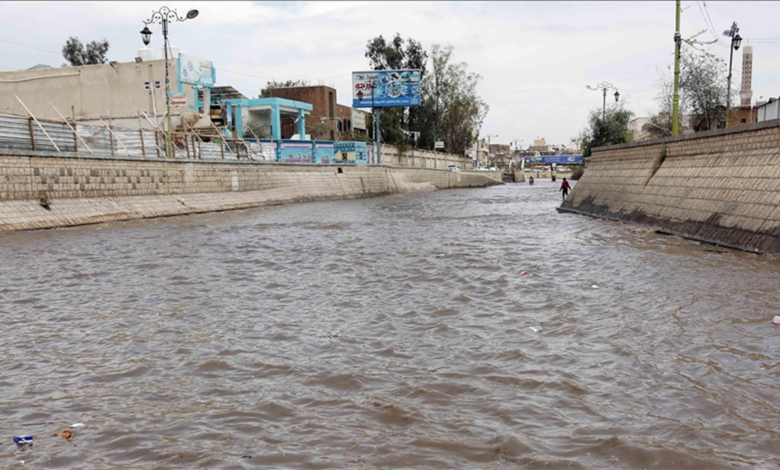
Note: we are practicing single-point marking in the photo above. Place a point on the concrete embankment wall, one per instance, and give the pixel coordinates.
(720, 186)
(92, 189)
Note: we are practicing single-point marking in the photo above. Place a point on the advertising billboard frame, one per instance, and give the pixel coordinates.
(386, 88)
(559, 159)
(204, 75)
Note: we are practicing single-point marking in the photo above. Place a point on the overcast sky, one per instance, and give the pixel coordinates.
(535, 58)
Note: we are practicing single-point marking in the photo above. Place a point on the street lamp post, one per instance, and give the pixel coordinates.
(604, 86)
(488, 152)
(736, 40)
(163, 16)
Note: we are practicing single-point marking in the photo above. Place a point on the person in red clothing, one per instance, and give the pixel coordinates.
(565, 188)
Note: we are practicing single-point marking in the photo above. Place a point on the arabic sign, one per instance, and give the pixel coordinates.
(561, 159)
(196, 71)
(382, 88)
(439, 144)
(178, 99)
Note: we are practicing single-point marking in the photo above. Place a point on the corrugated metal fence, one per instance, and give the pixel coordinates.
(26, 133)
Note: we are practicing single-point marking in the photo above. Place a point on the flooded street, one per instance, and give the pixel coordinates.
(473, 328)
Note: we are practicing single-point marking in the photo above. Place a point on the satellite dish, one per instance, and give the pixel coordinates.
(727, 32)
(588, 87)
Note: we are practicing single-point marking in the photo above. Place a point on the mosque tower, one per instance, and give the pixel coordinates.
(746, 93)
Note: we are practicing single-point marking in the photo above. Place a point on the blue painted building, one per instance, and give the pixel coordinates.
(267, 114)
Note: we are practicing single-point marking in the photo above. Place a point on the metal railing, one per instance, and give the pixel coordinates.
(68, 137)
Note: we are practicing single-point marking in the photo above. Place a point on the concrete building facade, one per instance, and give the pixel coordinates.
(328, 119)
(121, 90)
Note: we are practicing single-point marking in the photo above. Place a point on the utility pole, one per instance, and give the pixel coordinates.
(676, 97)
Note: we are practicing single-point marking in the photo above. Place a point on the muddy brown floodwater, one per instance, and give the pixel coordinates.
(395, 332)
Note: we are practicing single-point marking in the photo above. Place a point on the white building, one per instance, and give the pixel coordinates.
(768, 110)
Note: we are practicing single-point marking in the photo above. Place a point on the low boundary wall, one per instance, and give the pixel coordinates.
(720, 186)
(84, 190)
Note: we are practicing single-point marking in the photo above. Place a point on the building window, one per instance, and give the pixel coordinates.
(743, 121)
(147, 86)
(332, 136)
(330, 103)
(157, 84)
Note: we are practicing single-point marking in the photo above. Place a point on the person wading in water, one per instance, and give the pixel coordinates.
(565, 188)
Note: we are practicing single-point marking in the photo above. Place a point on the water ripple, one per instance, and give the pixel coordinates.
(453, 329)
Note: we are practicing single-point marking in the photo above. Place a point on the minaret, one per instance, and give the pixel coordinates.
(746, 93)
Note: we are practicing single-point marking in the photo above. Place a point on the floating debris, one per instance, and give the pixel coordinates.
(524, 273)
(76, 425)
(594, 286)
(534, 329)
(68, 435)
(776, 320)
(23, 442)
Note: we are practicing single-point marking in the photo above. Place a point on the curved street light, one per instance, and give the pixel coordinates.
(604, 86)
(163, 16)
(736, 41)
(488, 152)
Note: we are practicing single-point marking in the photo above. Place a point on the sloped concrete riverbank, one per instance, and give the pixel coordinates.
(720, 186)
(90, 190)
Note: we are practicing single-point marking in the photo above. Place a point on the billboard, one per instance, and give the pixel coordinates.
(196, 71)
(381, 88)
(559, 159)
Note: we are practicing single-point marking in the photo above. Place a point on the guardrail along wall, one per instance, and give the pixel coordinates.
(720, 186)
(45, 135)
(423, 158)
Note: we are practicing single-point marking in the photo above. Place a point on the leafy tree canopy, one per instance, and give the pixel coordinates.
(611, 130)
(450, 108)
(76, 54)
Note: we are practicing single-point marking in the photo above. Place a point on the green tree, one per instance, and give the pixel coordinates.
(703, 82)
(703, 90)
(266, 92)
(451, 102)
(396, 54)
(611, 130)
(76, 54)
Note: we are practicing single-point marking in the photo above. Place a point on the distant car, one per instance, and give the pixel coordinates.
(453, 168)
(492, 168)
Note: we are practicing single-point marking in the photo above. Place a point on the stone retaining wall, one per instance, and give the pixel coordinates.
(94, 189)
(718, 186)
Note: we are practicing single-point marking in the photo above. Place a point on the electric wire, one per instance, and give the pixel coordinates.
(710, 24)
(31, 47)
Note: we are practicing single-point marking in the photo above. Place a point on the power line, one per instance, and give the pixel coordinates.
(710, 24)
(270, 78)
(30, 47)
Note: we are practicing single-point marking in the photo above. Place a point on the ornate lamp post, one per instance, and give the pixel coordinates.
(736, 41)
(604, 86)
(163, 16)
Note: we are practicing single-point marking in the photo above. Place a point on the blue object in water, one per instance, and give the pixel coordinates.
(23, 441)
